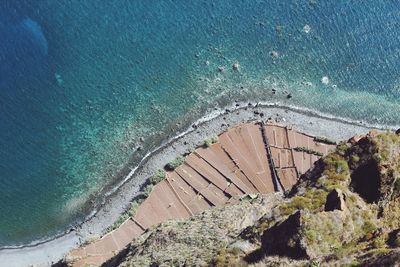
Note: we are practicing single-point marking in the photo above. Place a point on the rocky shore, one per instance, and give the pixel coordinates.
(46, 253)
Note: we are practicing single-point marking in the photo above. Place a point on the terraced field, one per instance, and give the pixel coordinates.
(250, 158)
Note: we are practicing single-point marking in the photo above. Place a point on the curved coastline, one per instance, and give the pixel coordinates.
(215, 121)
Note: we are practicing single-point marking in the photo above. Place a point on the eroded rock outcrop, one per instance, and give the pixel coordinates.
(344, 211)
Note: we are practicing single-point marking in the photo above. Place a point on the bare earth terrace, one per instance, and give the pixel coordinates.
(248, 159)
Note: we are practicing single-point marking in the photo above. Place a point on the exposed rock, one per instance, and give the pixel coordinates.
(373, 133)
(197, 241)
(355, 139)
(284, 239)
(306, 28)
(274, 54)
(335, 201)
(325, 80)
(235, 66)
(344, 211)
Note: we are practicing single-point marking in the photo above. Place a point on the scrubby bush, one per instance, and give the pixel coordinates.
(324, 140)
(380, 241)
(147, 190)
(308, 151)
(312, 199)
(175, 163)
(397, 241)
(355, 158)
(368, 228)
(397, 185)
(336, 167)
(158, 177)
(211, 140)
(126, 215)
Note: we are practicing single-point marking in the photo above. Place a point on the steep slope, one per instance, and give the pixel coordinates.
(344, 211)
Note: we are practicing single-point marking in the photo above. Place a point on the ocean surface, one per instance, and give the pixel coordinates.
(82, 81)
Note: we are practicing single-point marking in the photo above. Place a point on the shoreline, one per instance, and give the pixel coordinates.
(308, 121)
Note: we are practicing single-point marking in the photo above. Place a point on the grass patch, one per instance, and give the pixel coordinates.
(312, 200)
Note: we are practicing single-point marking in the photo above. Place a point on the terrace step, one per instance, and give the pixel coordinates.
(244, 161)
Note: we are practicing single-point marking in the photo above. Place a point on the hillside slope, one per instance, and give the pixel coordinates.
(344, 211)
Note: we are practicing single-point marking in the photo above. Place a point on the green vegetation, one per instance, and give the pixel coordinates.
(308, 151)
(147, 190)
(312, 200)
(345, 234)
(397, 241)
(355, 158)
(211, 140)
(353, 263)
(368, 229)
(90, 240)
(342, 148)
(380, 241)
(324, 140)
(336, 167)
(126, 215)
(155, 179)
(397, 184)
(158, 177)
(249, 197)
(229, 257)
(175, 163)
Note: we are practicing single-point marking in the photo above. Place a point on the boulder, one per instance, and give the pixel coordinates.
(335, 201)
(284, 239)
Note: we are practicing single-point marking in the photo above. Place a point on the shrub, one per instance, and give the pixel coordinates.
(324, 140)
(342, 148)
(147, 190)
(134, 207)
(368, 228)
(380, 241)
(397, 185)
(336, 167)
(158, 177)
(355, 158)
(312, 200)
(126, 215)
(90, 240)
(175, 163)
(397, 241)
(308, 151)
(211, 140)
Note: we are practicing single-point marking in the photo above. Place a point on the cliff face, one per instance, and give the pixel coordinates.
(345, 211)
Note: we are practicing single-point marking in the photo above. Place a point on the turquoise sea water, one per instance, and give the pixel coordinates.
(82, 81)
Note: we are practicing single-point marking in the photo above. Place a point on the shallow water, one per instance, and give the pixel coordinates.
(82, 81)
